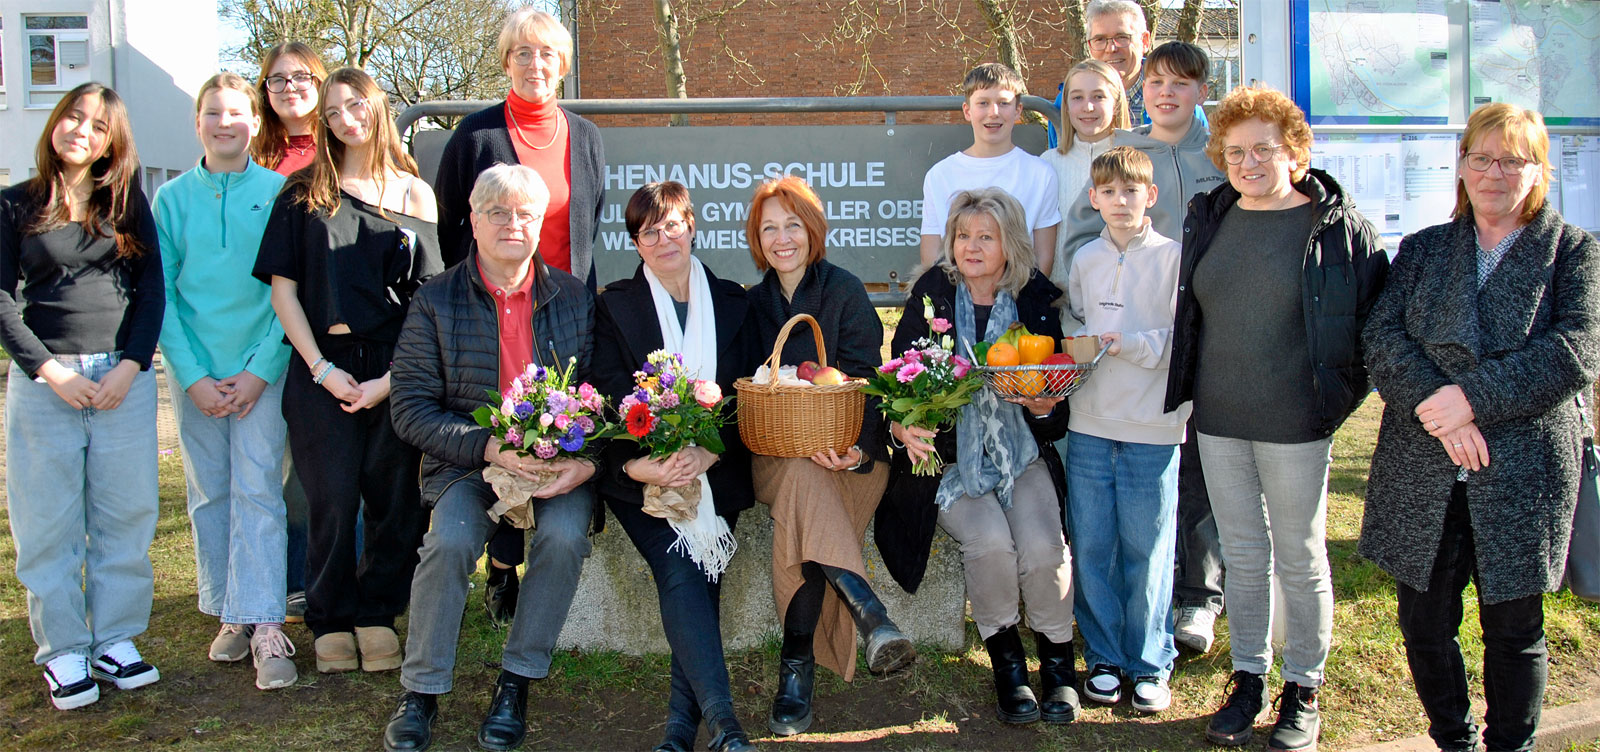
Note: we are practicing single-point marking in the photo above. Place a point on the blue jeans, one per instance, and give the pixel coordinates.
(690, 616)
(234, 472)
(558, 545)
(1123, 508)
(1271, 504)
(81, 486)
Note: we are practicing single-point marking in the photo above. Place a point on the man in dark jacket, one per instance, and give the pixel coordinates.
(472, 330)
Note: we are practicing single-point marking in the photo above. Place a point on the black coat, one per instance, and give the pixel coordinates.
(626, 333)
(1345, 269)
(903, 525)
(1520, 349)
(852, 333)
(448, 360)
(482, 141)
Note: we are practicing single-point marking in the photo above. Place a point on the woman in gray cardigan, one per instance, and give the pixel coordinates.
(1488, 329)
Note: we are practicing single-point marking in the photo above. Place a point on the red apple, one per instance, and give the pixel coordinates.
(829, 376)
(806, 370)
(1058, 380)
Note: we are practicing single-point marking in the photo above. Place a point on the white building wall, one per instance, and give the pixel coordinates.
(155, 53)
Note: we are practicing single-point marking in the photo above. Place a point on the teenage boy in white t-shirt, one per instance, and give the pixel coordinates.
(993, 102)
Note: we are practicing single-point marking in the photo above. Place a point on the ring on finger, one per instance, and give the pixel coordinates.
(1456, 445)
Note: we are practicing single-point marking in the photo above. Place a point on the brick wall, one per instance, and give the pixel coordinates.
(779, 48)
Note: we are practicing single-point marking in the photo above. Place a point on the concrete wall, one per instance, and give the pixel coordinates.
(155, 53)
(616, 606)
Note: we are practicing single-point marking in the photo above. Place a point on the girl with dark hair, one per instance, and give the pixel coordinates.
(80, 311)
(291, 74)
(350, 239)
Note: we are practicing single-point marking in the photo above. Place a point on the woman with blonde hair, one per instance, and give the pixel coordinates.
(350, 238)
(1482, 345)
(820, 505)
(80, 312)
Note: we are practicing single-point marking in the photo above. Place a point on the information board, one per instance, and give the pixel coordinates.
(1378, 61)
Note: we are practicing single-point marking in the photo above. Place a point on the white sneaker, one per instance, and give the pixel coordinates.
(1104, 685)
(122, 665)
(1151, 694)
(68, 678)
(1195, 628)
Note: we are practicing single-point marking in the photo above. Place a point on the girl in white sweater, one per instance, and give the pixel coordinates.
(1093, 106)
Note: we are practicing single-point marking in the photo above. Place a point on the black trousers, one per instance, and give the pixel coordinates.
(1514, 659)
(343, 458)
(1198, 578)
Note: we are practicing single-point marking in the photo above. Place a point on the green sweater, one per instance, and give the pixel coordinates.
(219, 319)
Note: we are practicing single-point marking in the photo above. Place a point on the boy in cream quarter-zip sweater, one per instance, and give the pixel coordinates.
(1122, 449)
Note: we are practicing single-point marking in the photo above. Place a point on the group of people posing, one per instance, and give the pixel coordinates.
(310, 293)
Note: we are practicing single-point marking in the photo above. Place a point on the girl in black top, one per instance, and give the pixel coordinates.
(80, 310)
(350, 239)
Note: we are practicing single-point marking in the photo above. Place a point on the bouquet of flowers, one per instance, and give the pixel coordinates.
(667, 411)
(926, 385)
(544, 415)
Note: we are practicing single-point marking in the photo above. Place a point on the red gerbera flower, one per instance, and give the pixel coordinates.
(640, 421)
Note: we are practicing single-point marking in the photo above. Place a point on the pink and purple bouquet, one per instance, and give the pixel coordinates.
(668, 410)
(544, 415)
(927, 385)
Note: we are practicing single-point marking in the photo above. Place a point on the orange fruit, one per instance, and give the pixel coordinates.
(1028, 383)
(1034, 348)
(1002, 354)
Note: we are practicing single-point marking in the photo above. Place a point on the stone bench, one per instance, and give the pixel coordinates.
(616, 608)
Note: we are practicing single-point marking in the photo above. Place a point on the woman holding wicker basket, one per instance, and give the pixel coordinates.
(821, 504)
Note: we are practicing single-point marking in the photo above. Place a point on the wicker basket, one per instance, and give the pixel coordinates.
(1039, 380)
(783, 420)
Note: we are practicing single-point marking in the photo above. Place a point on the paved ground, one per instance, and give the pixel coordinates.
(166, 427)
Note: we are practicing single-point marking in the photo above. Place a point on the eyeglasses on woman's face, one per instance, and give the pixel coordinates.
(357, 109)
(672, 229)
(279, 84)
(524, 56)
(1477, 161)
(1262, 152)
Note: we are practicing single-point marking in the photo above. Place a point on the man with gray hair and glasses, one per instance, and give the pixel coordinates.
(1118, 35)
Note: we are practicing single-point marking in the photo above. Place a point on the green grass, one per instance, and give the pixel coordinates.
(606, 700)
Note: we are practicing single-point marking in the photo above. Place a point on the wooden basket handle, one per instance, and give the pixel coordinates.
(783, 338)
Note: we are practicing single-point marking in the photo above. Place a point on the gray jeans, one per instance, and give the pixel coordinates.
(1021, 550)
(1271, 505)
(450, 550)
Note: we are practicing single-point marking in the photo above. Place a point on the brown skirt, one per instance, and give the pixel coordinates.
(818, 515)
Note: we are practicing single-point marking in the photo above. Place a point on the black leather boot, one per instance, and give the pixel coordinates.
(500, 590)
(506, 724)
(1059, 677)
(410, 729)
(888, 649)
(1015, 701)
(727, 735)
(797, 670)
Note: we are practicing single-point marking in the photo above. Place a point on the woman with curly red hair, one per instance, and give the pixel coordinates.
(1278, 273)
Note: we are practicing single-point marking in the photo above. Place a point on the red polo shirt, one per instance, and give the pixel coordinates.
(514, 309)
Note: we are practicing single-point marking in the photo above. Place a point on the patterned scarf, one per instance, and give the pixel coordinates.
(993, 442)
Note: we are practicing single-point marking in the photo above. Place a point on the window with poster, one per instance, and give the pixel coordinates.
(58, 56)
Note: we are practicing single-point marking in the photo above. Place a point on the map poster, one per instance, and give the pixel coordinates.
(1367, 166)
(1378, 61)
(1537, 54)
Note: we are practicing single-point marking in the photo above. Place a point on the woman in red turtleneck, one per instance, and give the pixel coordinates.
(290, 75)
(529, 129)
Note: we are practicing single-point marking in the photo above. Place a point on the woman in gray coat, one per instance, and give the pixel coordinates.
(1487, 331)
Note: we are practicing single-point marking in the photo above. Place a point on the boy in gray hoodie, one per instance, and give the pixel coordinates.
(1175, 140)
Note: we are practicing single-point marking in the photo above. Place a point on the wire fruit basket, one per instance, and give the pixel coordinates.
(785, 420)
(1039, 380)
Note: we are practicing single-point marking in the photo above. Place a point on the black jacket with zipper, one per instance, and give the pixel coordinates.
(448, 360)
(1345, 268)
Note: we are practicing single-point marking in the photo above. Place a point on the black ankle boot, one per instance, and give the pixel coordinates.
(1059, 676)
(1016, 703)
(410, 729)
(500, 589)
(888, 649)
(797, 670)
(727, 735)
(506, 725)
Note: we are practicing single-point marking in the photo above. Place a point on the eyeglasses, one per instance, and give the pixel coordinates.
(1477, 161)
(1262, 153)
(500, 217)
(672, 230)
(279, 84)
(1101, 44)
(524, 55)
(357, 108)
